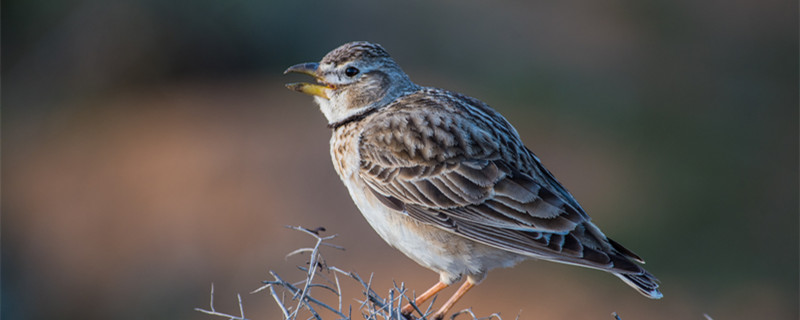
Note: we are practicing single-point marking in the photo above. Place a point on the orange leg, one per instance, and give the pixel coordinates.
(408, 309)
(452, 301)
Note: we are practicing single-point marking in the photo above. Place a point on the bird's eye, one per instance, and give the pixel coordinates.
(350, 71)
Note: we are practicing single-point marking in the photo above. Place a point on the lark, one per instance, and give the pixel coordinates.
(446, 179)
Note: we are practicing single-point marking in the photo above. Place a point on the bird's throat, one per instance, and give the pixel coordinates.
(353, 118)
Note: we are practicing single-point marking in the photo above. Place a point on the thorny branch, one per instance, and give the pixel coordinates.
(372, 307)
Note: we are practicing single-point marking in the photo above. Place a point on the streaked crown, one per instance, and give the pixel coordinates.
(356, 50)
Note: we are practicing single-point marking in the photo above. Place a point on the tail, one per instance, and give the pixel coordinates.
(642, 281)
(645, 283)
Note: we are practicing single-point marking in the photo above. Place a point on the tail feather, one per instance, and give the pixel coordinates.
(645, 283)
(624, 251)
(640, 279)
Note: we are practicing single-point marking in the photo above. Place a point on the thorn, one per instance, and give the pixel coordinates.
(316, 230)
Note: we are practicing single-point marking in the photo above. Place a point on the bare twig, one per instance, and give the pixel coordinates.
(300, 293)
(279, 302)
(214, 312)
(469, 312)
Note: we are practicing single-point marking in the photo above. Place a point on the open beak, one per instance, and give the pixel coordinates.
(309, 68)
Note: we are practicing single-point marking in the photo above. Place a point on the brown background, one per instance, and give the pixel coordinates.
(150, 149)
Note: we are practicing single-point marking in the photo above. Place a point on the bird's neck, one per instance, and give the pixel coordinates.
(342, 109)
(353, 118)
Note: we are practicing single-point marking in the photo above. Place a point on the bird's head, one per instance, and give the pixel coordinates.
(353, 79)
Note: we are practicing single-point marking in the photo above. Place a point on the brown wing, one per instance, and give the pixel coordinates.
(461, 167)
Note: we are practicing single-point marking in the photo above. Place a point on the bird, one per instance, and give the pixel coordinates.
(446, 179)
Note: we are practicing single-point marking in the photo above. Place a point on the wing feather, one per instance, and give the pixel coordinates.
(476, 179)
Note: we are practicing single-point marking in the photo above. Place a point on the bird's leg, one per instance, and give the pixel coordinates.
(408, 308)
(452, 301)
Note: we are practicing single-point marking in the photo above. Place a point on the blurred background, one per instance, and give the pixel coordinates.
(150, 149)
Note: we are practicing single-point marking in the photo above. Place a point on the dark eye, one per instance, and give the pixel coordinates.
(350, 71)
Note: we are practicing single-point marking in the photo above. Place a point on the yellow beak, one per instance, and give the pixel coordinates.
(310, 69)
